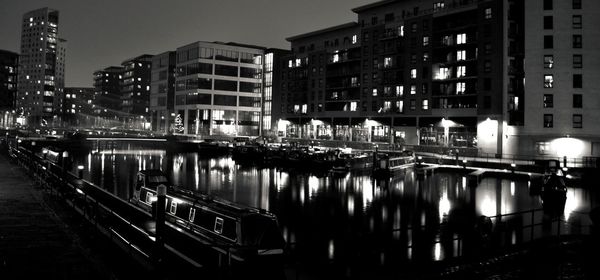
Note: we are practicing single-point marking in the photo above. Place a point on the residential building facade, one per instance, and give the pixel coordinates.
(429, 73)
(162, 91)
(41, 64)
(135, 86)
(107, 91)
(561, 69)
(9, 66)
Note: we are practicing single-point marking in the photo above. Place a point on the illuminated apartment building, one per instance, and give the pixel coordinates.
(433, 73)
(41, 64)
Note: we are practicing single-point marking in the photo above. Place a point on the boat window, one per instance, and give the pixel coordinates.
(218, 225)
(140, 181)
(173, 208)
(148, 197)
(157, 179)
(192, 214)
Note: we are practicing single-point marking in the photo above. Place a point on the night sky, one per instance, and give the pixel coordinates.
(106, 32)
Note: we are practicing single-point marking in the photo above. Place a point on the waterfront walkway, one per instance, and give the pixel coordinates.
(41, 239)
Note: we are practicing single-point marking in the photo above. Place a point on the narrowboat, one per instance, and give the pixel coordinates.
(249, 232)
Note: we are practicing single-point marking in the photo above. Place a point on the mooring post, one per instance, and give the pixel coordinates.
(161, 197)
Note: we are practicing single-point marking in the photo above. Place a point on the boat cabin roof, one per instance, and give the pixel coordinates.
(152, 172)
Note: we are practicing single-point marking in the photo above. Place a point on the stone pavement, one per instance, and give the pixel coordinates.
(41, 238)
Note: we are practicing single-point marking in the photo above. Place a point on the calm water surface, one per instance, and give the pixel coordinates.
(350, 218)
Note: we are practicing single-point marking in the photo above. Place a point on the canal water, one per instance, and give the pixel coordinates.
(352, 218)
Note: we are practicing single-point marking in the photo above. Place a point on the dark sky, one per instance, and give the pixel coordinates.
(105, 32)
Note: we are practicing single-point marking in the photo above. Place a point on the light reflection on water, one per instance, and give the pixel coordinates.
(328, 216)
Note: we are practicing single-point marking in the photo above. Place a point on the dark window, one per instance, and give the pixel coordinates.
(487, 66)
(577, 61)
(204, 83)
(413, 27)
(487, 84)
(577, 121)
(488, 48)
(226, 70)
(413, 104)
(227, 100)
(249, 87)
(548, 42)
(374, 20)
(577, 4)
(249, 101)
(547, 4)
(249, 72)
(577, 41)
(548, 120)
(389, 17)
(548, 61)
(577, 22)
(548, 22)
(548, 101)
(577, 101)
(487, 102)
(225, 85)
(577, 81)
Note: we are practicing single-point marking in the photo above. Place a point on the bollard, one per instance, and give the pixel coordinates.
(161, 197)
(80, 171)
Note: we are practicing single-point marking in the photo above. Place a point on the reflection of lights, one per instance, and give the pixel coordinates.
(397, 223)
(464, 183)
(133, 152)
(513, 238)
(444, 205)
(512, 188)
(571, 204)
(313, 184)
(383, 214)
(350, 205)
(437, 252)
(331, 249)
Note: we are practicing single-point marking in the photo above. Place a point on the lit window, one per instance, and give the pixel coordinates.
(290, 64)
(443, 73)
(413, 73)
(425, 104)
(387, 62)
(548, 61)
(304, 108)
(548, 81)
(399, 90)
(461, 38)
(336, 57)
(354, 39)
(387, 105)
(548, 101)
(461, 55)
(400, 106)
(413, 89)
(488, 13)
(401, 30)
(461, 71)
(548, 120)
(374, 92)
(353, 106)
(460, 88)
(425, 41)
(298, 62)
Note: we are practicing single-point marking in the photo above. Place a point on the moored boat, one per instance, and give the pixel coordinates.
(248, 232)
